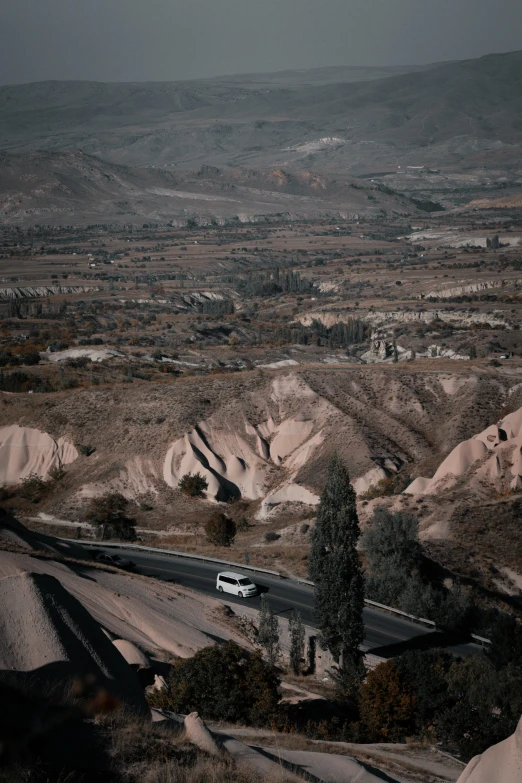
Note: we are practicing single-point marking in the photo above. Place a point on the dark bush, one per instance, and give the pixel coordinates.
(193, 485)
(85, 449)
(109, 513)
(220, 529)
(272, 536)
(224, 682)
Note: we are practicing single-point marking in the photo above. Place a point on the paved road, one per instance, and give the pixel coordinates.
(386, 635)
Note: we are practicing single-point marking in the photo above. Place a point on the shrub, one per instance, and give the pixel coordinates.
(220, 529)
(272, 536)
(77, 362)
(387, 704)
(242, 525)
(486, 705)
(33, 488)
(348, 677)
(85, 449)
(447, 608)
(223, 683)
(193, 485)
(109, 512)
(56, 473)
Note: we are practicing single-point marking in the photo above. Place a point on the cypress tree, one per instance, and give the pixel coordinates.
(268, 633)
(297, 641)
(335, 566)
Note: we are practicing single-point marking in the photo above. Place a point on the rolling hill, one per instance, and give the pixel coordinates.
(454, 113)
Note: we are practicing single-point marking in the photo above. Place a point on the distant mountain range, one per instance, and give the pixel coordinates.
(335, 122)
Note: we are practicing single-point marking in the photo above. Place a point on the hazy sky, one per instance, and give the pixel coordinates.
(138, 40)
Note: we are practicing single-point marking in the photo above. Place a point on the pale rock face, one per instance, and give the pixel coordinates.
(481, 460)
(238, 459)
(24, 451)
(43, 290)
(132, 654)
(197, 733)
(501, 763)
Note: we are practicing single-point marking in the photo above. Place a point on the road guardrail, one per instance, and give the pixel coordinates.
(188, 555)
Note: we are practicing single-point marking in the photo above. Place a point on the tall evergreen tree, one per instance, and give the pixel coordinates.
(335, 566)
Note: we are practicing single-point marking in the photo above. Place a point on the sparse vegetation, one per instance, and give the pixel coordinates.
(33, 488)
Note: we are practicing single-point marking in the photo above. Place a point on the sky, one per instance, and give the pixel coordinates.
(142, 40)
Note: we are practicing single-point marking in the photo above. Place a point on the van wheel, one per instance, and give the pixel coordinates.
(220, 589)
(240, 595)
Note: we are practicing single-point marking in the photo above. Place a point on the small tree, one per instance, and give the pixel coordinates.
(387, 704)
(335, 566)
(393, 553)
(268, 634)
(33, 488)
(193, 485)
(220, 529)
(297, 641)
(109, 512)
(348, 677)
(57, 472)
(224, 682)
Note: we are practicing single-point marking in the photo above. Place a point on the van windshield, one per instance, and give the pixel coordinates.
(244, 581)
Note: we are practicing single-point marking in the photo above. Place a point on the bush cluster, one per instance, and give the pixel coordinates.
(224, 682)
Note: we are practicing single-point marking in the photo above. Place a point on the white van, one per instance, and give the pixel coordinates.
(237, 584)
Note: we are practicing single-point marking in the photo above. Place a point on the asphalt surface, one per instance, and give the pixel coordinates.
(386, 635)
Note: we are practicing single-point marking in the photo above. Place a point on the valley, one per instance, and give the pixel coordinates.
(267, 321)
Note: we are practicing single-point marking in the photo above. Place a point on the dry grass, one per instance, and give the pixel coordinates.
(143, 752)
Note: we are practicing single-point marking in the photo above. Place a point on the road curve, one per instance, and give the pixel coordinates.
(386, 635)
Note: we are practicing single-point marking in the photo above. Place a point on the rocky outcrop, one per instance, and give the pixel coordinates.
(460, 317)
(24, 451)
(492, 459)
(377, 317)
(237, 458)
(30, 292)
(471, 288)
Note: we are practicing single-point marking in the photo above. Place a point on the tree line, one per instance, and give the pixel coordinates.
(340, 335)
